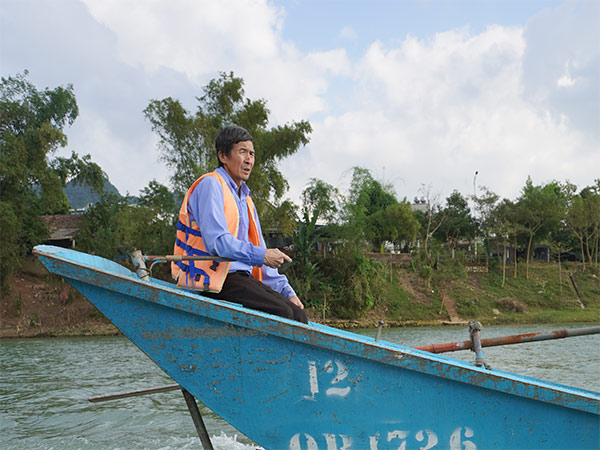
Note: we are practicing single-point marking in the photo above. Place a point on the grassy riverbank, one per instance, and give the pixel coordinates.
(546, 296)
(40, 305)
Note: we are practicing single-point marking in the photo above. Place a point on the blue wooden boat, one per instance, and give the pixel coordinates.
(292, 386)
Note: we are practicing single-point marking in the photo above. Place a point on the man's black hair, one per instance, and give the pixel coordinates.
(228, 137)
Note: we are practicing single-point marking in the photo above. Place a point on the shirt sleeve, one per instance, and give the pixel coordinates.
(271, 277)
(277, 282)
(206, 208)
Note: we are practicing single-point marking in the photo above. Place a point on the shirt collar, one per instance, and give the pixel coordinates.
(245, 190)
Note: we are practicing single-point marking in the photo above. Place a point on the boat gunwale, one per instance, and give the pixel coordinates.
(322, 336)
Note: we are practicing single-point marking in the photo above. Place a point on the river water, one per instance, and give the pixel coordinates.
(45, 384)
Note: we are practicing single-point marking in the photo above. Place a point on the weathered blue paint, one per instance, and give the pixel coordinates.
(293, 386)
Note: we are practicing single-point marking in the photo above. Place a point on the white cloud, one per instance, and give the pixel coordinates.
(348, 33)
(189, 36)
(566, 80)
(435, 111)
(561, 65)
(202, 38)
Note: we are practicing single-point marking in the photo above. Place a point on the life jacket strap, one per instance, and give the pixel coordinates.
(189, 249)
(194, 273)
(188, 230)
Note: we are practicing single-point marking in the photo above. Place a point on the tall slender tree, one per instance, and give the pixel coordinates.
(505, 231)
(431, 219)
(539, 211)
(583, 219)
(485, 204)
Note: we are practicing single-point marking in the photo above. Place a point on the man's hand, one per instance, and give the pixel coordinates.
(275, 258)
(296, 301)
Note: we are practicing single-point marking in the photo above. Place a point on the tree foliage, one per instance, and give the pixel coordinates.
(583, 219)
(539, 210)
(114, 226)
(158, 196)
(354, 282)
(320, 201)
(459, 224)
(373, 214)
(32, 126)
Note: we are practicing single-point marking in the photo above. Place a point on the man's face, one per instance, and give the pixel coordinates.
(240, 161)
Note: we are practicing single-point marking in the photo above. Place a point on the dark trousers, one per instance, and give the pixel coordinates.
(240, 287)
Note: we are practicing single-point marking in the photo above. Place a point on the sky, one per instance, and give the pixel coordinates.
(431, 96)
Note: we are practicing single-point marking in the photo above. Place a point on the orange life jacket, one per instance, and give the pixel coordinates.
(208, 275)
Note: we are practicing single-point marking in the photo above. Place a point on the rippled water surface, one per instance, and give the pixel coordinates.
(45, 384)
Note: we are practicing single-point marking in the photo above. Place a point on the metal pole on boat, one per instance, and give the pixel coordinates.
(166, 258)
(507, 340)
(170, 258)
(474, 329)
(140, 265)
(197, 418)
(379, 330)
(118, 395)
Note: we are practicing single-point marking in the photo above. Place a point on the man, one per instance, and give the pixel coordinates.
(218, 217)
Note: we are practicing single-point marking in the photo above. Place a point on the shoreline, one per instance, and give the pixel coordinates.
(107, 329)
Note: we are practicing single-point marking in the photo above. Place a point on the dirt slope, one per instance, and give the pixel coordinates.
(38, 304)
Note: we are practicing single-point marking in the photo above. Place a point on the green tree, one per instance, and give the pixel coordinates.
(320, 201)
(583, 219)
(396, 224)
(97, 233)
(560, 241)
(280, 216)
(186, 140)
(158, 196)
(458, 224)
(32, 126)
(485, 205)
(373, 214)
(539, 211)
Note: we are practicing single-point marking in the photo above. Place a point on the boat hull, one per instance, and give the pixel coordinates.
(292, 386)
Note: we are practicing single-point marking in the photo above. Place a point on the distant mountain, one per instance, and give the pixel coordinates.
(80, 195)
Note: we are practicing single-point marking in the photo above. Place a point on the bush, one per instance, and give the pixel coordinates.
(354, 283)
